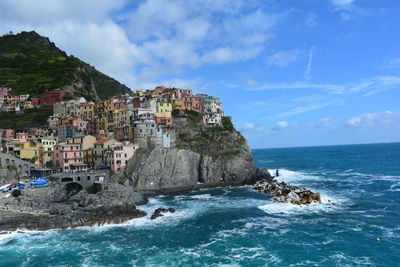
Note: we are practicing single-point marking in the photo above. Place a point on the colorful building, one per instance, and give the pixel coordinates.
(119, 155)
(100, 148)
(50, 97)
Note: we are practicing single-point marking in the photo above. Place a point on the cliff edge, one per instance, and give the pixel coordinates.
(202, 156)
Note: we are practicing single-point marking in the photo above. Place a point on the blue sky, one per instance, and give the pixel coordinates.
(290, 73)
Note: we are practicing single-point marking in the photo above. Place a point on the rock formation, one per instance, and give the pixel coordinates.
(159, 212)
(54, 207)
(202, 157)
(283, 192)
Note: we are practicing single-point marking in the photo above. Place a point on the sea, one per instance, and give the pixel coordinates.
(357, 223)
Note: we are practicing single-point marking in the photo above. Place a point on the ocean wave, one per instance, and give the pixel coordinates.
(6, 236)
(328, 204)
(290, 209)
(286, 175)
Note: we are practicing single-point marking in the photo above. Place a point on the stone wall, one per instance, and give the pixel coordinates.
(14, 164)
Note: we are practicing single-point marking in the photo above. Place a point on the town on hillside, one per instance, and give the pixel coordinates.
(84, 136)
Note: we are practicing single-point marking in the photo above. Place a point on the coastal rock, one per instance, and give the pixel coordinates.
(283, 192)
(166, 171)
(201, 157)
(158, 212)
(52, 207)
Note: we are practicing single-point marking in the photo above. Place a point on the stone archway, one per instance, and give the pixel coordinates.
(73, 188)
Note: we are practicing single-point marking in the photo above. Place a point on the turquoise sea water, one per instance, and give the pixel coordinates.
(360, 187)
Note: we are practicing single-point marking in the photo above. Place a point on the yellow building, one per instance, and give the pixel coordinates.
(89, 158)
(48, 149)
(177, 104)
(163, 106)
(10, 98)
(109, 117)
(100, 125)
(86, 111)
(29, 151)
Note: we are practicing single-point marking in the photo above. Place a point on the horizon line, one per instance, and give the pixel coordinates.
(306, 146)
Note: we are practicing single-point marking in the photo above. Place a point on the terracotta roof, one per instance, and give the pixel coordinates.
(102, 141)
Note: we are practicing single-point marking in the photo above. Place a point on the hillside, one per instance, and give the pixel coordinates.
(30, 118)
(32, 64)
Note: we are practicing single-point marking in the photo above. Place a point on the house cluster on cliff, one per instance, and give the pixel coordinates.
(84, 135)
(10, 102)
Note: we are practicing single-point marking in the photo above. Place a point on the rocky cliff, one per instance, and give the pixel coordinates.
(202, 157)
(57, 207)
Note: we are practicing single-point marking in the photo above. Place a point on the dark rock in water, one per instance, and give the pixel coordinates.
(16, 192)
(158, 212)
(283, 192)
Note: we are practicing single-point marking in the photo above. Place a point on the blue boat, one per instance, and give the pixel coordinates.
(39, 182)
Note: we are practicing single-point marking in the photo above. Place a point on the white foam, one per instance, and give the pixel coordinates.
(9, 235)
(286, 175)
(15, 234)
(328, 204)
(204, 196)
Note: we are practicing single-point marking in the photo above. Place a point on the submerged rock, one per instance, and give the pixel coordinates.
(283, 192)
(158, 212)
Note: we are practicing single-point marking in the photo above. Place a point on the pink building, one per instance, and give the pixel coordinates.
(180, 93)
(21, 137)
(77, 123)
(69, 157)
(7, 134)
(4, 91)
(119, 155)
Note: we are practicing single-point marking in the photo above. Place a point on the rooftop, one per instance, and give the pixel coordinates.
(102, 141)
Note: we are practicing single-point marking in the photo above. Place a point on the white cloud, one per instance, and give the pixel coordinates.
(311, 20)
(373, 119)
(253, 127)
(323, 122)
(284, 57)
(280, 125)
(322, 95)
(363, 87)
(309, 64)
(393, 63)
(252, 83)
(258, 128)
(342, 4)
(179, 34)
(152, 39)
(305, 107)
(40, 12)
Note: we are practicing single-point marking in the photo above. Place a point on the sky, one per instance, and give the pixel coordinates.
(290, 73)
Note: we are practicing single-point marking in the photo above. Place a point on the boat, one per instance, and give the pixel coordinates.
(41, 186)
(4, 187)
(39, 182)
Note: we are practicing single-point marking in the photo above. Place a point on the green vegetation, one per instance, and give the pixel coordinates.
(30, 118)
(31, 64)
(67, 97)
(227, 123)
(175, 113)
(193, 116)
(216, 141)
